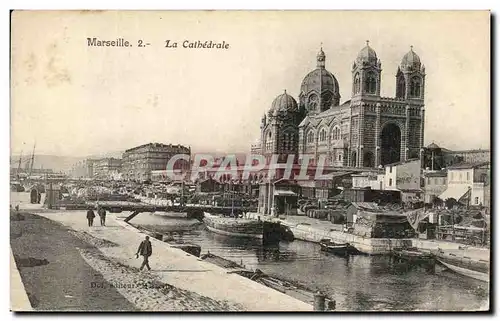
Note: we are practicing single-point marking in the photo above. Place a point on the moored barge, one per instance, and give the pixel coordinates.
(268, 232)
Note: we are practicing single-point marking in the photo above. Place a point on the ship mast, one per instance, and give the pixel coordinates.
(32, 160)
(19, 165)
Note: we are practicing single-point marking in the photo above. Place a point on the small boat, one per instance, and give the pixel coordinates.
(335, 248)
(478, 270)
(412, 254)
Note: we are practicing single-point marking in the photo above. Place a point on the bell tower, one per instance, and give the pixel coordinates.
(366, 71)
(410, 77)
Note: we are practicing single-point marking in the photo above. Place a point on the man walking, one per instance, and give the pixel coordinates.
(102, 215)
(90, 217)
(145, 249)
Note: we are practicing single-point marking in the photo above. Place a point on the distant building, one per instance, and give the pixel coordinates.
(471, 156)
(256, 148)
(90, 168)
(401, 178)
(468, 183)
(279, 197)
(34, 172)
(373, 180)
(405, 178)
(140, 161)
(437, 158)
(106, 168)
(208, 185)
(434, 184)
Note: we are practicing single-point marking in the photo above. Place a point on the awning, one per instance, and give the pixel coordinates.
(284, 193)
(456, 192)
(417, 216)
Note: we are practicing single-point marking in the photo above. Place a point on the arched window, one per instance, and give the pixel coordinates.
(312, 102)
(371, 83)
(415, 87)
(336, 133)
(356, 83)
(322, 135)
(340, 157)
(269, 142)
(401, 87)
(310, 137)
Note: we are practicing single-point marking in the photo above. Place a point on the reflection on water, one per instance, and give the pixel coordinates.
(357, 282)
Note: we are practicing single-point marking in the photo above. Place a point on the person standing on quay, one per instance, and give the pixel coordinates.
(145, 249)
(102, 215)
(90, 217)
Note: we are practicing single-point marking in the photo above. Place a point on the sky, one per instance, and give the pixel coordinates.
(76, 100)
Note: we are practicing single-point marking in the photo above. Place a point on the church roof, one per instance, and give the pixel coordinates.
(326, 120)
(319, 80)
(308, 120)
(411, 59)
(367, 54)
(283, 103)
(333, 111)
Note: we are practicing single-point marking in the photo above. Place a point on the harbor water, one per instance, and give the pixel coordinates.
(357, 283)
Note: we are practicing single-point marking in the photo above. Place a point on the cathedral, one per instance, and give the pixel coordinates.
(365, 131)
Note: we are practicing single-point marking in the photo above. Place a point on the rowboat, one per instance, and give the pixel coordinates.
(478, 270)
(335, 248)
(412, 255)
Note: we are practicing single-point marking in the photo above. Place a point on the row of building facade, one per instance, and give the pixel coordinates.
(467, 183)
(138, 163)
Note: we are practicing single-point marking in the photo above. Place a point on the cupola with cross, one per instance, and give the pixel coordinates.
(410, 77)
(366, 71)
(319, 90)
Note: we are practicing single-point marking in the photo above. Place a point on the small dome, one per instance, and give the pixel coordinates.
(367, 54)
(411, 59)
(283, 103)
(321, 55)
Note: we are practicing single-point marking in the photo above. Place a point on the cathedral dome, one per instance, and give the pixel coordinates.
(367, 54)
(411, 59)
(283, 103)
(319, 80)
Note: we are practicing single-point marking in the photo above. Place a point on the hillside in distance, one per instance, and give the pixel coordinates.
(57, 163)
(67, 164)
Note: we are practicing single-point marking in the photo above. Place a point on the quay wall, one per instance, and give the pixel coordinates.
(182, 270)
(321, 230)
(231, 287)
(306, 232)
(365, 245)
